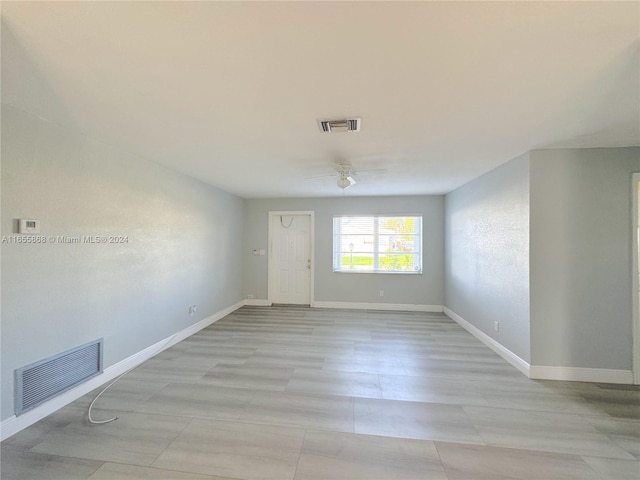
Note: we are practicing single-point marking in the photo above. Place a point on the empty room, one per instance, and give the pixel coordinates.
(320, 240)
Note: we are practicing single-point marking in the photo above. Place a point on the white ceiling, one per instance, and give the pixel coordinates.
(229, 92)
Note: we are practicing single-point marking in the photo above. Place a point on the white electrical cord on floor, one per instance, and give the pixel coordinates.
(100, 422)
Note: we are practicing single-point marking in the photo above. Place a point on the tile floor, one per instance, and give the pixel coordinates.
(290, 393)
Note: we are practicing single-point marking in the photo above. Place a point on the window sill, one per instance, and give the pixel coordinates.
(377, 272)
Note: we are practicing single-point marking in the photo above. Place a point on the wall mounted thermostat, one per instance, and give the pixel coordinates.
(28, 226)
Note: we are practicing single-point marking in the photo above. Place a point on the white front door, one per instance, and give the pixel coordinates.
(290, 265)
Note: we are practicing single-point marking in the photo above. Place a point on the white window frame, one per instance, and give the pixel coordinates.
(337, 255)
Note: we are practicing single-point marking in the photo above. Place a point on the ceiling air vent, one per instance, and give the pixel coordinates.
(343, 125)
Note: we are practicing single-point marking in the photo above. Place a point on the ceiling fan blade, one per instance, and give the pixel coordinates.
(322, 176)
(345, 173)
(342, 167)
(374, 170)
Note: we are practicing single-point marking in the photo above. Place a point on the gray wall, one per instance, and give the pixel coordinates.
(581, 231)
(182, 249)
(425, 289)
(487, 254)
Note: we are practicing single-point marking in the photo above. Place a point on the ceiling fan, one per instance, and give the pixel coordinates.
(345, 174)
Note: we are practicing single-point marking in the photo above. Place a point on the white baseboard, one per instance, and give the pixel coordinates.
(13, 424)
(541, 372)
(497, 347)
(406, 307)
(257, 302)
(575, 374)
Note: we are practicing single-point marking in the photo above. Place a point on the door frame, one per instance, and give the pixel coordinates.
(634, 281)
(271, 270)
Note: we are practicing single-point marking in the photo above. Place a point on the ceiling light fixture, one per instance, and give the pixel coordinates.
(345, 181)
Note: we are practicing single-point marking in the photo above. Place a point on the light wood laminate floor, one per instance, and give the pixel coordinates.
(289, 393)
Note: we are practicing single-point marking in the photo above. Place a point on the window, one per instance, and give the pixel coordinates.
(377, 244)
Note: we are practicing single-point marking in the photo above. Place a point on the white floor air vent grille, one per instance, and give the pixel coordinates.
(40, 381)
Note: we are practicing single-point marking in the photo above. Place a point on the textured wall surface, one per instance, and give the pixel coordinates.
(182, 247)
(487, 254)
(425, 289)
(581, 234)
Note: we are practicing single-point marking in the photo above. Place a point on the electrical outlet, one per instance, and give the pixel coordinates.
(192, 309)
(382, 293)
(496, 326)
(250, 295)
